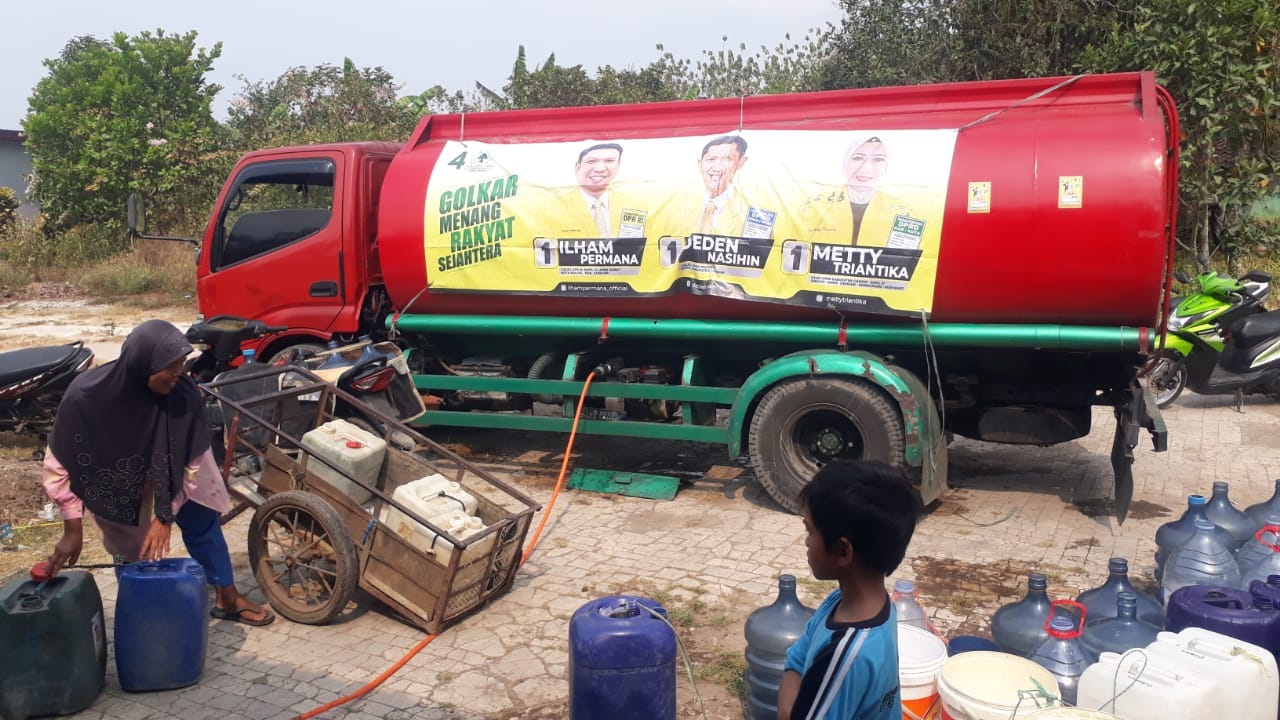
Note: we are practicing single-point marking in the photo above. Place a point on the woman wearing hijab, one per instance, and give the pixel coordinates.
(131, 444)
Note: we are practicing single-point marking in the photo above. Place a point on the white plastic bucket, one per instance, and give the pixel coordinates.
(984, 685)
(921, 655)
(1070, 713)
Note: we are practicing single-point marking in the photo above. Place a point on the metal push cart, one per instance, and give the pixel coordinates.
(311, 544)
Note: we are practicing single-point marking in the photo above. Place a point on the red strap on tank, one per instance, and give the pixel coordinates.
(604, 329)
(1143, 340)
(842, 340)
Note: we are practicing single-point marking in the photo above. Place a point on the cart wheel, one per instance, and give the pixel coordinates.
(303, 558)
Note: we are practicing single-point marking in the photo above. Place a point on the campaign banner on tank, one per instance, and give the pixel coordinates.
(828, 218)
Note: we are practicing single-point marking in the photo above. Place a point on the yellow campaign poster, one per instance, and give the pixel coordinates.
(825, 218)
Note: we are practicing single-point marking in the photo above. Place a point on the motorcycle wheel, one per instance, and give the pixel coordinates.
(1166, 381)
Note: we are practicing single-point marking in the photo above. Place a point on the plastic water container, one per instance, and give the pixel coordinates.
(1173, 535)
(909, 610)
(442, 503)
(1202, 560)
(1019, 626)
(1070, 713)
(994, 686)
(1259, 547)
(1100, 602)
(162, 624)
(1062, 653)
(1223, 513)
(970, 643)
(1260, 558)
(54, 646)
(1120, 633)
(622, 661)
(1225, 610)
(770, 631)
(1246, 683)
(358, 452)
(921, 655)
(1136, 687)
(1259, 512)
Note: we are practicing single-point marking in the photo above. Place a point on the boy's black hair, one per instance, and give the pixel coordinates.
(868, 502)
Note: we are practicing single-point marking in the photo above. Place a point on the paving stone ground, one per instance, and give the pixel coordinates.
(718, 547)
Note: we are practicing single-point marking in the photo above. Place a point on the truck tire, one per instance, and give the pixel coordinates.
(302, 557)
(802, 424)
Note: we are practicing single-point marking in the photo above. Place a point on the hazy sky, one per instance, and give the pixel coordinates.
(424, 43)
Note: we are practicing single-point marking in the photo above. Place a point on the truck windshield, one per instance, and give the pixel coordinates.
(271, 205)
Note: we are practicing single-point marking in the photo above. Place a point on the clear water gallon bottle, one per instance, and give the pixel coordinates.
(1121, 632)
(1260, 564)
(1062, 653)
(1259, 513)
(1223, 513)
(1100, 602)
(1259, 547)
(1020, 626)
(908, 607)
(1173, 534)
(771, 631)
(1202, 560)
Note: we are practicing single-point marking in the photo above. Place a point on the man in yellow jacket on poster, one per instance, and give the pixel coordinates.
(593, 208)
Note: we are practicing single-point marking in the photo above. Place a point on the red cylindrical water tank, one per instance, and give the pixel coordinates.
(1027, 258)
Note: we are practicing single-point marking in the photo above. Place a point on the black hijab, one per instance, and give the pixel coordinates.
(113, 434)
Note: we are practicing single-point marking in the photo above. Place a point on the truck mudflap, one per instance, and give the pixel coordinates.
(925, 451)
(1136, 410)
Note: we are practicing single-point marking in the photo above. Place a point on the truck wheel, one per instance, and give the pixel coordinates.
(802, 424)
(1167, 381)
(302, 557)
(295, 353)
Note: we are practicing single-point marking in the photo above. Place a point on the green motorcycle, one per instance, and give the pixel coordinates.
(1201, 327)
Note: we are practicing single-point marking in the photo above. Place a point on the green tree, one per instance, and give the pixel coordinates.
(788, 67)
(114, 117)
(8, 208)
(321, 104)
(1218, 60)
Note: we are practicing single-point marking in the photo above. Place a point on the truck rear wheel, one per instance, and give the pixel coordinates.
(802, 424)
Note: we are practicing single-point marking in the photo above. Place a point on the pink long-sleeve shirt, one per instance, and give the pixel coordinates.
(203, 484)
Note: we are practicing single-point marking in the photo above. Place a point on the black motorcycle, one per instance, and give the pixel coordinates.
(33, 381)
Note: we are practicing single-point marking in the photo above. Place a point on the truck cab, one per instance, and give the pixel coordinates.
(292, 240)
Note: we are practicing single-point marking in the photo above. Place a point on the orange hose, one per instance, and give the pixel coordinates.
(564, 467)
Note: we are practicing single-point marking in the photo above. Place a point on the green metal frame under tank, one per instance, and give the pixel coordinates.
(925, 442)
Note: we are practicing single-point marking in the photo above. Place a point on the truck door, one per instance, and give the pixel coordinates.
(274, 250)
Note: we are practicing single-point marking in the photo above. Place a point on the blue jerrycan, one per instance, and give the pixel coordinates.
(162, 624)
(622, 661)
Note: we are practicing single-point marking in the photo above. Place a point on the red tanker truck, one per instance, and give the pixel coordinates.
(801, 278)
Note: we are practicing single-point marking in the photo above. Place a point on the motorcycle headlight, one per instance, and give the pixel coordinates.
(1177, 322)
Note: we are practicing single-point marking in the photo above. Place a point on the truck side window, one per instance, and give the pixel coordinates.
(271, 205)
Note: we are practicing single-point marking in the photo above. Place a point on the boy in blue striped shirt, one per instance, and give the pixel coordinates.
(859, 518)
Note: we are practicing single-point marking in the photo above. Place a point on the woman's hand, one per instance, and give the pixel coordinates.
(156, 544)
(67, 551)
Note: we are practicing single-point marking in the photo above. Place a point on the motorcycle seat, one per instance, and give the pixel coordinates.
(1256, 328)
(16, 365)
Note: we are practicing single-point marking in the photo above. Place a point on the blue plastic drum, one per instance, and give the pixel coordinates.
(622, 661)
(162, 625)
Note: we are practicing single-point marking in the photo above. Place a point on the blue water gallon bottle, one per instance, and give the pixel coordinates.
(1223, 513)
(770, 632)
(1202, 560)
(1259, 512)
(162, 624)
(622, 661)
(1171, 535)
(53, 647)
(1100, 602)
(1062, 653)
(1259, 559)
(1121, 632)
(1020, 626)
